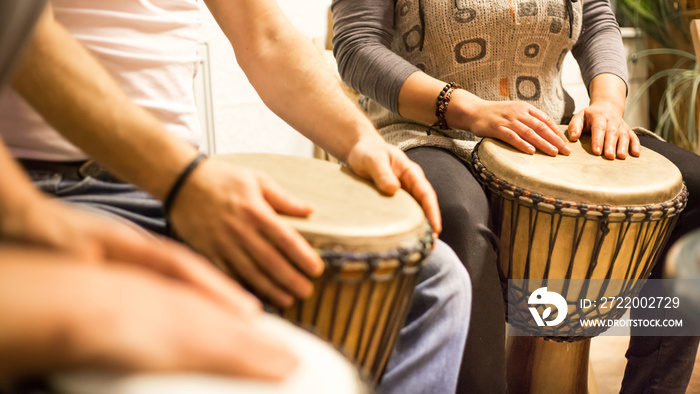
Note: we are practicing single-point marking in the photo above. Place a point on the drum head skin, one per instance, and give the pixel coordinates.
(321, 370)
(585, 177)
(348, 210)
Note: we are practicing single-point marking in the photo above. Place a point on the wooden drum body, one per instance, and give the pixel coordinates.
(581, 225)
(373, 246)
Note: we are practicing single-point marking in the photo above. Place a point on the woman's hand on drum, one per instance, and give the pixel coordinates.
(62, 312)
(390, 168)
(50, 224)
(516, 122)
(231, 215)
(610, 134)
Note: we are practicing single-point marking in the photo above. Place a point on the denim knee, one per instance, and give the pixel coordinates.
(444, 282)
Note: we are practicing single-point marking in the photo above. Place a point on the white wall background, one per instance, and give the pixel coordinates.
(242, 123)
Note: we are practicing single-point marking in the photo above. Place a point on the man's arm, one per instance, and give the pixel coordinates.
(287, 72)
(31, 219)
(227, 213)
(157, 325)
(77, 96)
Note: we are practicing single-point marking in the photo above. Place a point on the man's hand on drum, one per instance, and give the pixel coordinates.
(230, 215)
(610, 134)
(390, 169)
(128, 319)
(28, 218)
(515, 122)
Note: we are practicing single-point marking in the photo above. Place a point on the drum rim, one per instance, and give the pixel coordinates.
(422, 245)
(499, 186)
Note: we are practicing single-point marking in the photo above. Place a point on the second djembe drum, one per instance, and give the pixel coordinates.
(584, 227)
(373, 246)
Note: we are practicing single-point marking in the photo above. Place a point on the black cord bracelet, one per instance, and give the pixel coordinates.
(175, 189)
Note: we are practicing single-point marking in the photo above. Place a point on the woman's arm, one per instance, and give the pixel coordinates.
(599, 48)
(362, 34)
(601, 57)
(362, 45)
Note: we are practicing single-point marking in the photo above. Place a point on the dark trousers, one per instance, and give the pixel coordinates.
(467, 230)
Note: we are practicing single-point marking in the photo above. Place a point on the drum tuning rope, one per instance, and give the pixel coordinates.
(547, 238)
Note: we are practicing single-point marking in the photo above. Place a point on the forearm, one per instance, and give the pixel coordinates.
(599, 49)
(418, 100)
(610, 90)
(288, 73)
(75, 94)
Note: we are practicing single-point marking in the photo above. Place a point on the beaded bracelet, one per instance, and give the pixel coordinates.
(443, 100)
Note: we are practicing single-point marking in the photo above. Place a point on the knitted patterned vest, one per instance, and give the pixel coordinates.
(496, 49)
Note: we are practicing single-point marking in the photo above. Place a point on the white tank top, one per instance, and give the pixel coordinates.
(148, 46)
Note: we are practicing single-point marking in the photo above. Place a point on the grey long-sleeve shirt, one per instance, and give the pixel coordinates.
(363, 34)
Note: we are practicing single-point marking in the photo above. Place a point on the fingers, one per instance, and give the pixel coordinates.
(529, 135)
(221, 343)
(167, 258)
(623, 142)
(627, 142)
(271, 256)
(414, 182)
(576, 126)
(611, 136)
(245, 268)
(523, 126)
(390, 169)
(383, 176)
(231, 219)
(611, 140)
(274, 265)
(635, 145)
(550, 131)
(599, 127)
(161, 325)
(512, 138)
(295, 247)
(184, 265)
(284, 237)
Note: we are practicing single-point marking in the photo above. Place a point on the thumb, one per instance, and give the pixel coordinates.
(383, 175)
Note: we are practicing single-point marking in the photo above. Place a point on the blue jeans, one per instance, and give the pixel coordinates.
(430, 345)
(114, 199)
(429, 351)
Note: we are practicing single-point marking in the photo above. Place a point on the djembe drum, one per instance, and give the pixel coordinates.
(372, 245)
(321, 370)
(584, 227)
